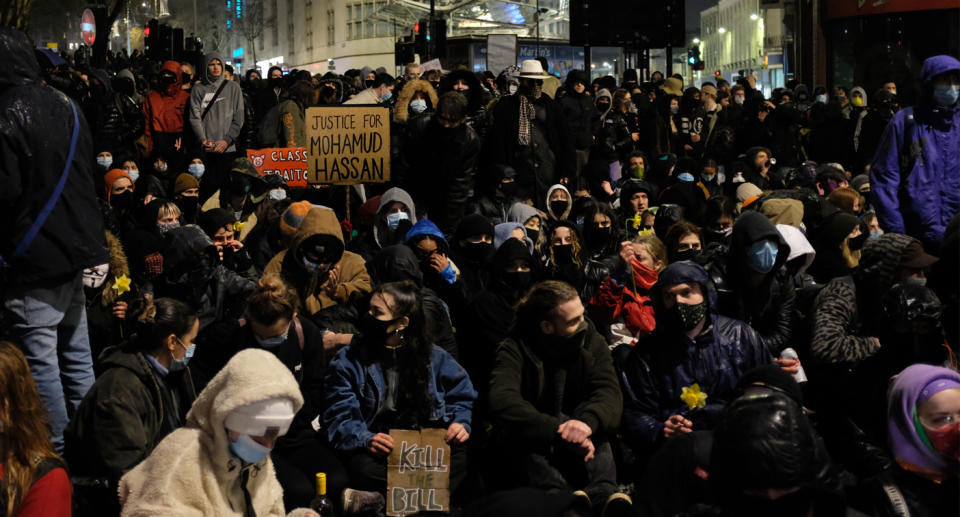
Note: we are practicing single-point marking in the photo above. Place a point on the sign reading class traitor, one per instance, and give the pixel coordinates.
(348, 145)
(290, 163)
(418, 473)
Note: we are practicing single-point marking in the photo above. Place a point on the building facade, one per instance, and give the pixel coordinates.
(738, 37)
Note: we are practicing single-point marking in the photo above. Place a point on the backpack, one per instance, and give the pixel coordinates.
(268, 130)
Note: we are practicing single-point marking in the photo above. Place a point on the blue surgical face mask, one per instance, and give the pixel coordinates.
(177, 365)
(271, 341)
(134, 174)
(248, 450)
(196, 170)
(685, 176)
(822, 99)
(945, 94)
(386, 96)
(418, 105)
(708, 177)
(311, 267)
(105, 161)
(877, 234)
(393, 220)
(762, 255)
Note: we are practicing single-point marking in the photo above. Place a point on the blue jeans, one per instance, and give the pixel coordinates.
(52, 325)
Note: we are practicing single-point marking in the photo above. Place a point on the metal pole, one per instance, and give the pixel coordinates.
(430, 35)
(536, 17)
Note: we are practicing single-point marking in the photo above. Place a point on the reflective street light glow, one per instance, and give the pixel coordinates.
(721, 30)
(696, 41)
(754, 16)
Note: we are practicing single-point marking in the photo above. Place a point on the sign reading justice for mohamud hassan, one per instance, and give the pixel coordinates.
(348, 145)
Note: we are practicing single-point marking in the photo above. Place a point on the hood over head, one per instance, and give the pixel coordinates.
(522, 212)
(207, 58)
(913, 385)
(395, 264)
(604, 93)
(936, 65)
(174, 68)
(801, 89)
(863, 93)
(189, 255)
(566, 212)
(683, 272)
(401, 110)
(149, 184)
(397, 194)
(783, 211)
(577, 76)
(880, 261)
(19, 62)
(752, 227)
(320, 230)
(474, 224)
(502, 232)
(474, 95)
(429, 228)
(764, 441)
(631, 187)
(508, 252)
(251, 376)
(212, 220)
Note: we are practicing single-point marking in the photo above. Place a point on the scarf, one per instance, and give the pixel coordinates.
(527, 113)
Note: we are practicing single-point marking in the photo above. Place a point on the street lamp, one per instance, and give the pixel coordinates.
(696, 41)
(722, 30)
(754, 17)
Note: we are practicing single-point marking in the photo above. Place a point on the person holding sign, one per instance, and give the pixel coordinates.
(391, 377)
(554, 394)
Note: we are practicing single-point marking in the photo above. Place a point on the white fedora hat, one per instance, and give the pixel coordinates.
(532, 69)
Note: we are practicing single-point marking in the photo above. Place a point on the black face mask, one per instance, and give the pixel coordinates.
(687, 316)
(121, 201)
(687, 254)
(563, 254)
(509, 189)
(185, 77)
(517, 281)
(478, 251)
(565, 347)
(189, 207)
(558, 208)
(369, 83)
(275, 82)
(603, 106)
(857, 242)
(373, 328)
(533, 234)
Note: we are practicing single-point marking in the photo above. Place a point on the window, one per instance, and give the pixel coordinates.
(331, 27)
(361, 24)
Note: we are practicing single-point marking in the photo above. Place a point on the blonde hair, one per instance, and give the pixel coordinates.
(168, 209)
(655, 247)
(273, 299)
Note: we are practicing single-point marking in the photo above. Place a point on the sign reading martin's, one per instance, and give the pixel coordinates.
(348, 145)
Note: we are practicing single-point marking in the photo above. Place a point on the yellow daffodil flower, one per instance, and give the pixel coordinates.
(693, 396)
(237, 227)
(122, 284)
(637, 221)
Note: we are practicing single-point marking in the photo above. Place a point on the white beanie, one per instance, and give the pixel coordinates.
(258, 418)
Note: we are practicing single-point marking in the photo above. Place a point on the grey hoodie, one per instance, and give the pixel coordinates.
(388, 197)
(225, 118)
(603, 92)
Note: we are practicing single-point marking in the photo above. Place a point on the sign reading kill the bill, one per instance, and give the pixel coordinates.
(290, 163)
(418, 473)
(348, 145)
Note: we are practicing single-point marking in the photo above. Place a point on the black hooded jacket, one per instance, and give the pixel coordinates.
(581, 113)
(36, 126)
(398, 263)
(768, 306)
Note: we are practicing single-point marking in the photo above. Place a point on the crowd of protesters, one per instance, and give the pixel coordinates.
(614, 297)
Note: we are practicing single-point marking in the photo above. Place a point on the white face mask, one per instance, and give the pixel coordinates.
(105, 161)
(134, 174)
(93, 277)
(278, 194)
(512, 89)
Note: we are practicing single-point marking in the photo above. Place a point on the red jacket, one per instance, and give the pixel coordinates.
(164, 111)
(626, 301)
(50, 496)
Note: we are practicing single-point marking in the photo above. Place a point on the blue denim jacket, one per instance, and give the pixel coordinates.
(355, 391)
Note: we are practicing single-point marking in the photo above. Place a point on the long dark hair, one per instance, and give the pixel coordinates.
(413, 359)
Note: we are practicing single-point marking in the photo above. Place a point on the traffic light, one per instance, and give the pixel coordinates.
(420, 37)
(151, 37)
(693, 57)
(438, 38)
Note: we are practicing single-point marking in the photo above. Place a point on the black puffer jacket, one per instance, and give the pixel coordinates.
(36, 125)
(767, 306)
(581, 113)
(615, 140)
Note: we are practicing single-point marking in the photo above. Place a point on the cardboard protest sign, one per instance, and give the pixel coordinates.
(348, 145)
(288, 162)
(433, 64)
(418, 473)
